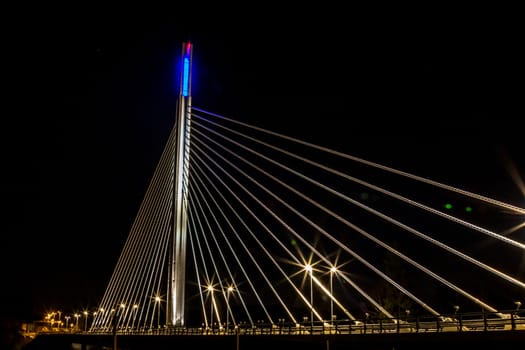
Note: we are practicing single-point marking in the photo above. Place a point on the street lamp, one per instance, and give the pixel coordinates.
(76, 321)
(210, 290)
(333, 270)
(120, 321)
(230, 289)
(308, 268)
(52, 318)
(67, 321)
(305, 319)
(157, 300)
(136, 308)
(59, 315)
(456, 309)
(515, 314)
(85, 321)
(113, 317)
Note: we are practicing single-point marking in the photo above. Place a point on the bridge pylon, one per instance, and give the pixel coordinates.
(177, 264)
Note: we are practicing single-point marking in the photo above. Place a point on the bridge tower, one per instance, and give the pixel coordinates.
(177, 263)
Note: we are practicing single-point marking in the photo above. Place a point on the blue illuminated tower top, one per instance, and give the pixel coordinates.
(186, 69)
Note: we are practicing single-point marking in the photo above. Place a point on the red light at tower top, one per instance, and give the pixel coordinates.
(188, 49)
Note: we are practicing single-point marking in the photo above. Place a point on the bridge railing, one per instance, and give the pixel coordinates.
(511, 320)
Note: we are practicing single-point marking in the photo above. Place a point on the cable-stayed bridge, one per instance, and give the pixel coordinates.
(243, 230)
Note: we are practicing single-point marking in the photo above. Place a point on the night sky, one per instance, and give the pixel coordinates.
(91, 97)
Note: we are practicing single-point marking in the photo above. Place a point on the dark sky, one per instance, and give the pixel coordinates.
(91, 97)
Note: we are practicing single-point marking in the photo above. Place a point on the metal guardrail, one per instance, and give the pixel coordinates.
(470, 322)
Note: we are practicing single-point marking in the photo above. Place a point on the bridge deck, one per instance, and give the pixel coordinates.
(375, 341)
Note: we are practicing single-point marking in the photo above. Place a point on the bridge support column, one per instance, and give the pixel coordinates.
(177, 272)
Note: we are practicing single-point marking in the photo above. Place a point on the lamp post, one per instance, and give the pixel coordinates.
(85, 320)
(456, 309)
(157, 300)
(281, 325)
(333, 270)
(136, 309)
(76, 321)
(230, 289)
(305, 319)
(210, 290)
(67, 321)
(120, 320)
(113, 318)
(59, 315)
(515, 314)
(51, 317)
(308, 268)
